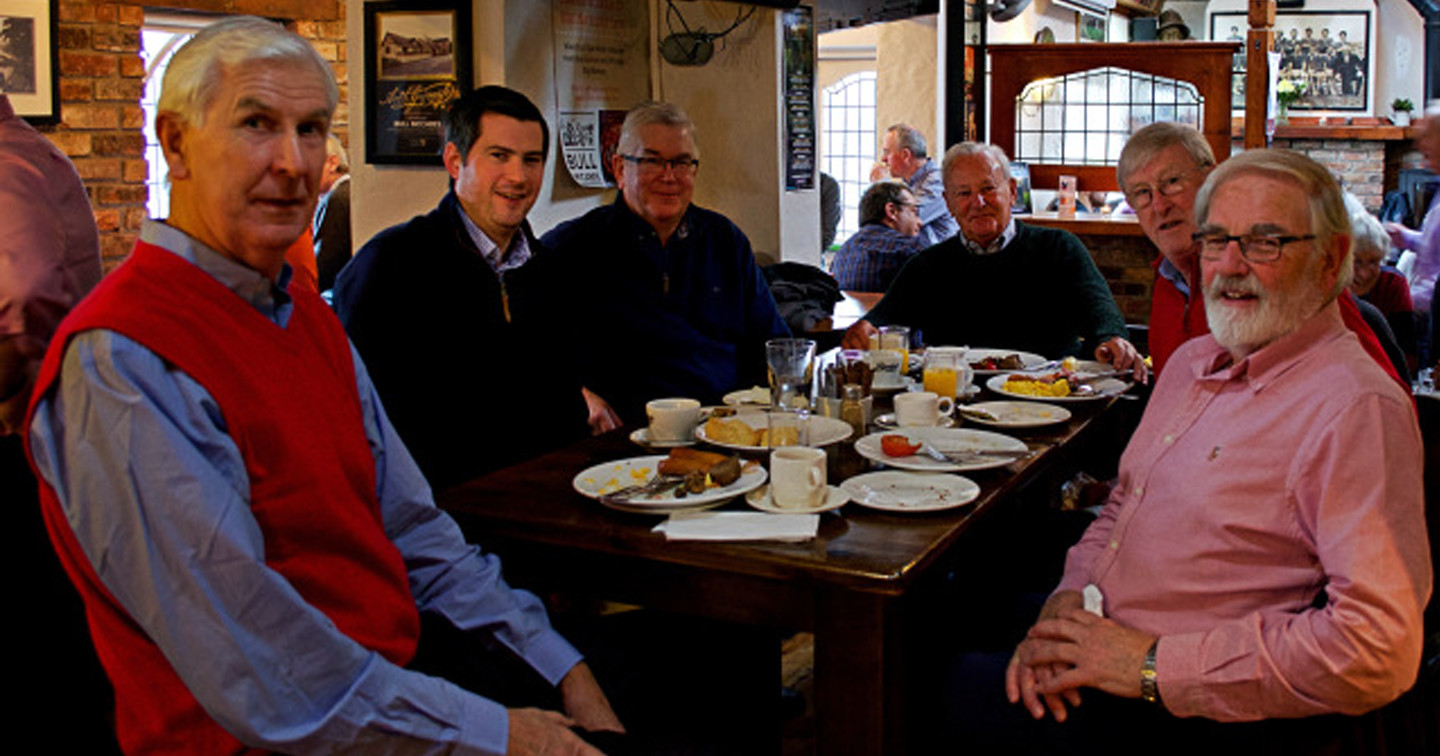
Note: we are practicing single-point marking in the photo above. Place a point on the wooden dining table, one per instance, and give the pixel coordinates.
(849, 586)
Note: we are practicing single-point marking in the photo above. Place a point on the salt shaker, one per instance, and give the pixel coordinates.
(852, 410)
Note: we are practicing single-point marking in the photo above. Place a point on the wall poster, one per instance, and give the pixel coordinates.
(602, 69)
(417, 61)
(799, 87)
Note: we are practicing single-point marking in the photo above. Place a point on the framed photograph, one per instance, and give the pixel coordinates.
(417, 61)
(29, 59)
(1328, 52)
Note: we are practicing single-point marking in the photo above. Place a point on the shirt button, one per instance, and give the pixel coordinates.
(1169, 439)
(1139, 491)
(1114, 545)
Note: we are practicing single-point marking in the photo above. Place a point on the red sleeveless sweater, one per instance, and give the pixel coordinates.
(289, 400)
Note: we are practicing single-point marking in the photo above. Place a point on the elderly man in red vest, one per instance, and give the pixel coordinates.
(253, 544)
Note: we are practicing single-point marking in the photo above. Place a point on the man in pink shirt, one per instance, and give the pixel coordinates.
(1263, 555)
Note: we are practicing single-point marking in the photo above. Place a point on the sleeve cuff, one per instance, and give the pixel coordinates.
(552, 656)
(1177, 673)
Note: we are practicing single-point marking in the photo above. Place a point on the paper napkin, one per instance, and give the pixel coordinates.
(739, 526)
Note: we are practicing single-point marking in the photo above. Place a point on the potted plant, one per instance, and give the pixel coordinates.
(1402, 108)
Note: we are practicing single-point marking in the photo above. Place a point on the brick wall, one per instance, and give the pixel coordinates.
(101, 78)
(1360, 163)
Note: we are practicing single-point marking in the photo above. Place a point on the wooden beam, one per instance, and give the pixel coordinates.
(1259, 41)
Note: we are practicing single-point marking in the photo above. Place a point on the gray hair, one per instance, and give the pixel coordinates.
(1328, 215)
(648, 114)
(333, 148)
(969, 149)
(1369, 234)
(908, 137)
(193, 75)
(1145, 144)
(878, 196)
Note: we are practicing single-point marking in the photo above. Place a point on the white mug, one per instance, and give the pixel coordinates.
(797, 477)
(921, 409)
(672, 420)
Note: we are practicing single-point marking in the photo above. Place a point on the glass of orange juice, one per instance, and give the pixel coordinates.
(946, 372)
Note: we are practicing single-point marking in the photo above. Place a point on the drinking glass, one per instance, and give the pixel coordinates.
(897, 339)
(792, 367)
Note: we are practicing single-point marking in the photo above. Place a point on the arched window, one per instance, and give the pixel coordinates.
(848, 109)
(1084, 118)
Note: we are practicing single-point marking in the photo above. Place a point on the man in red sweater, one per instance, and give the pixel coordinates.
(254, 545)
(1161, 170)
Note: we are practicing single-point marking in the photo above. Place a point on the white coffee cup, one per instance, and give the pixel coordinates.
(672, 420)
(797, 477)
(921, 409)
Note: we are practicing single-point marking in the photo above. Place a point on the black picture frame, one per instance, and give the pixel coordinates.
(1335, 80)
(30, 59)
(417, 61)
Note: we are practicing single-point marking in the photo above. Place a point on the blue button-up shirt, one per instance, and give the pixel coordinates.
(157, 494)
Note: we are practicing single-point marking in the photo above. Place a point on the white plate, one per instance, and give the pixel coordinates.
(835, 498)
(1104, 388)
(757, 395)
(642, 437)
(944, 439)
(1019, 414)
(1027, 359)
(822, 430)
(910, 492)
(601, 479)
(905, 384)
(887, 421)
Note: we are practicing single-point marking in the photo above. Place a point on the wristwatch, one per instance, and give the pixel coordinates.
(1149, 684)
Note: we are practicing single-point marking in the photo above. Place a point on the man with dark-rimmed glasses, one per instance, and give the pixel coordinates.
(666, 295)
(1161, 169)
(1261, 562)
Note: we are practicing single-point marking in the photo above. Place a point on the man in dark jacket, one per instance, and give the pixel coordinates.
(452, 310)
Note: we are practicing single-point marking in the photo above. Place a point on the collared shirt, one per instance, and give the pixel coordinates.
(929, 189)
(996, 244)
(500, 260)
(1248, 489)
(870, 259)
(1169, 272)
(173, 481)
(1426, 243)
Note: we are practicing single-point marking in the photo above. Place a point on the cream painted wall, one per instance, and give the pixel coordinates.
(906, 79)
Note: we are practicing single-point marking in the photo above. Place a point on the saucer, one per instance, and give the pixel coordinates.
(642, 437)
(835, 498)
(887, 420)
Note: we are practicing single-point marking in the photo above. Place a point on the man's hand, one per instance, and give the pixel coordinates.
(1094, 652)
(1023, 681)
(586, 703)
(858, 336)
(1400, 237)
(1122, 355)
(602, 418)
(536, 732)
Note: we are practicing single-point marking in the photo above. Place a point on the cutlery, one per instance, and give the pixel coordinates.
(656, 485)
(962, 456)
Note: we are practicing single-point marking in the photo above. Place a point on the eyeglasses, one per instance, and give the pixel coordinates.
(1256, 248)
(654, 166)
(1141, 196)
(912, 205)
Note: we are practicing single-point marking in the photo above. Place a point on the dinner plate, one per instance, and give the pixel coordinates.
(893, 491)
(835, 497)
(1104, 388)
(1027, 359)
(608, 477)
(822, 430)
(642, 437)
(755, 395)
(1018, 414)
(887, 421)
(943, 439)
(904, 384)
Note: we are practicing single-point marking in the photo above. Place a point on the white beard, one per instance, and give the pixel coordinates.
(1279, 312)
